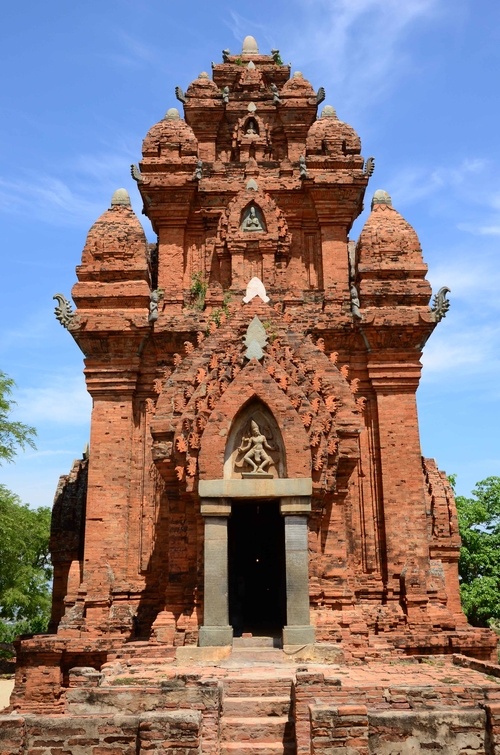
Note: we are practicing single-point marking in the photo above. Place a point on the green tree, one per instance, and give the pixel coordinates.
(479, 565)
(12, 434)
(25, 568)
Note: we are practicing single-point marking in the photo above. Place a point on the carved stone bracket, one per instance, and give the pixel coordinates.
(63, 311)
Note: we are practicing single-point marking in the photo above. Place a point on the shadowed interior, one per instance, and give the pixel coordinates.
(257, 591)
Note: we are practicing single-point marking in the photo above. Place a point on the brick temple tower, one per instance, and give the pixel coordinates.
(255, 464)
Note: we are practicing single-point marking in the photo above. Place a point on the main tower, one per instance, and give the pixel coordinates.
(255, 464)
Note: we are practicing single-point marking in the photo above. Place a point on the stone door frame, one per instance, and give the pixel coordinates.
(217, 496)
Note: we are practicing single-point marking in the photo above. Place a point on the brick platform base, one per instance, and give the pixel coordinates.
(257, 700)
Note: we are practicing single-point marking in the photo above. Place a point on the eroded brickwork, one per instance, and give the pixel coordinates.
(252, 182)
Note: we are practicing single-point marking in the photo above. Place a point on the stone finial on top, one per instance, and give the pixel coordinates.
(250, 46)
(203, 75)
(255, 288)
(172, 114)
(120, 198)
(381, 197)
(328, 112)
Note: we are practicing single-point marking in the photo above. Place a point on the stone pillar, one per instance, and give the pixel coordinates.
(298, 629)
(216, 629)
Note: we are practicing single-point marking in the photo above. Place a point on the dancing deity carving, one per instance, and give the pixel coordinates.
(254, 450)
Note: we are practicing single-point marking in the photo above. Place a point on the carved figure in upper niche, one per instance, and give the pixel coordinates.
(251, 221)
(254, 450)
(251, 128)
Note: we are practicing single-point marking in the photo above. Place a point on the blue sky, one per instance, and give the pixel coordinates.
(83, 82)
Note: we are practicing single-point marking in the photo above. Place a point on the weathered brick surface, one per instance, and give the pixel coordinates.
(342, 729)
(167, 371)
(452, 732)
(168, 733)
(12, 735)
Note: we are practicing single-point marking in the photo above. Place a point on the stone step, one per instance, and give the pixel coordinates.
(257, 655)
(254, 686)
(257, 706)
(255, 729)
(257, 642)
(258, 748)
(144, 650)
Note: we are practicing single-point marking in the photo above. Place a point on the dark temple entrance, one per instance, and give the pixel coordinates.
(257, 586)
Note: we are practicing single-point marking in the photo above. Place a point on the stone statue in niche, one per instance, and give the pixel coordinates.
(252, 129)
(251, 220)
(254, 449)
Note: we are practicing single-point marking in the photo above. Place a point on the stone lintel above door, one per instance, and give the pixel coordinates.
(298, 487)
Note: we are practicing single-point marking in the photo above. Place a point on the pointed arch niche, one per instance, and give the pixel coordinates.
(241, 430)
(252, 239)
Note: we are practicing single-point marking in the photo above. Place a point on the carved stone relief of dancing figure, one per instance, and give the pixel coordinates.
(254, 450)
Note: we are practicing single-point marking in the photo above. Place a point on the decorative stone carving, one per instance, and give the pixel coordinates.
(198, 173)
(225, 95)
(136, 174)
(302, 167)
(251, 127)
(255, 339)
(276, 95)
(251, 220)
(440, 304)
(320, 95)
(355, 304)
(369, 167)
(254, 448)
(154, 299)
(255, 288)
(63, 311)
(238, 230)
(251, 136)
(180, 95)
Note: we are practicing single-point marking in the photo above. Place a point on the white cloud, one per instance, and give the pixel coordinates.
(468, 281)
(361, 40)
(65, 401)
(48, 199)
(80, 199)
(137, 54)
(411, 184)
(484, 230)
(467, 349)
(48, 452)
